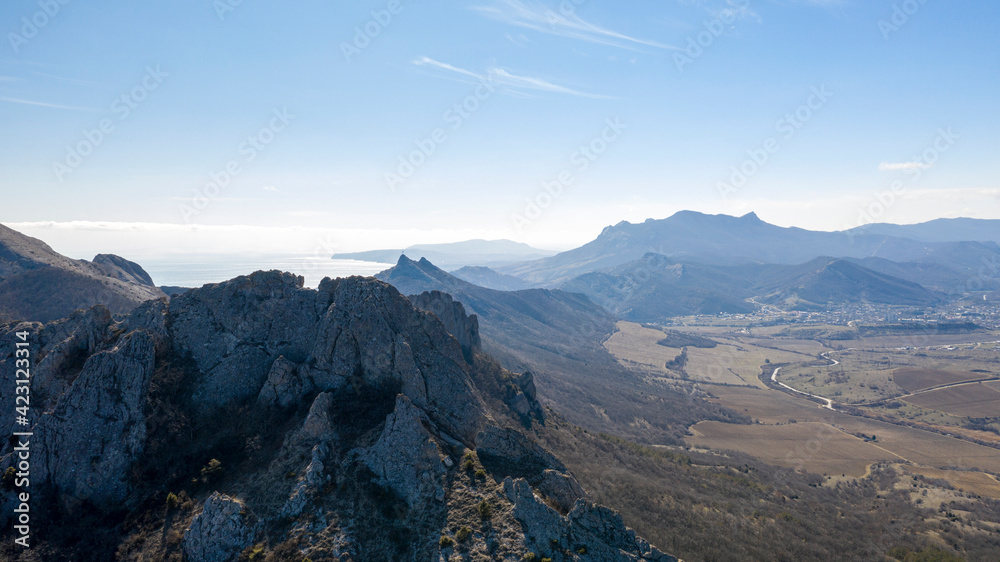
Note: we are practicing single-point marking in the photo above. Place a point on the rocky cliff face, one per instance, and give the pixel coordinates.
(259, 418)
(452, 315)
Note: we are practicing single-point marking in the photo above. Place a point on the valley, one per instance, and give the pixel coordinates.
(895, 404)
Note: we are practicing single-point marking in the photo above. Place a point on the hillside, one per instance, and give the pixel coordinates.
(486, 277)
(37, 283)
(656, 287)
(257, 418)
(816, 284)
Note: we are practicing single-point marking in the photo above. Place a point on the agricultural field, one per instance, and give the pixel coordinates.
(913, 379)
(809, 446)
(967, 400)
(865, 376)
(772, 410)
(789, 430)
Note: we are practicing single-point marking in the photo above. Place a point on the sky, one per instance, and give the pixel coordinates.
(319, 127)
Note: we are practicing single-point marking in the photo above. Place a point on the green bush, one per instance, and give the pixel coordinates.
(172, 501)
(480, 473)
(530, 557)
(446, 542)
(463, 534)
(212, 470)
(9, 476)
(485, 510)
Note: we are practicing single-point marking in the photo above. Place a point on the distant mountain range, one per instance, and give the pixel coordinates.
(939, 230)
(726, 240)
(456, 254)
(39, 284)
(656, 287)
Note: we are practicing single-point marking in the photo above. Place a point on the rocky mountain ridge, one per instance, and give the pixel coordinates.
(259, 418)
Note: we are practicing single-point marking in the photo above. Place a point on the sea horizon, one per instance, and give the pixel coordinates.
(195, 270)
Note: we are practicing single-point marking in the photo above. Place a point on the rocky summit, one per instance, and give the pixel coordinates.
(259, 420)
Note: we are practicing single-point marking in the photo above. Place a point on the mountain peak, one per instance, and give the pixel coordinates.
(751, 216)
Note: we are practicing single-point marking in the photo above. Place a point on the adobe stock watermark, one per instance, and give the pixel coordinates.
(455, 116)
(901, 14)
(249, 149)
(32, 26)
(580, 161)
(366, 33)
(786, 128)
(225, 7)
(714, 28)
(883, 200)
(567, 9)
(122, 107)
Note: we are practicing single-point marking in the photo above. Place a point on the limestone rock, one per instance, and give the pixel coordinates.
(285, 385)
(510, 452)
(561, 488)
(220, 532)
(464, 327)
(542, 524)
(604, 530)
(601, 530)
(407, 457)
(87, 445)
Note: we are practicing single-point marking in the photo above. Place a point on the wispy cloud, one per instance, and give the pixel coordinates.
(897, 166)
(271, 188)
(564, 23)
(503, 77)
(66, 79)
(44, 104)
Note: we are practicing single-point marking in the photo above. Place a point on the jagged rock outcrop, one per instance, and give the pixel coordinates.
(220, 532)
(87, 444)
(343, 418)
(464, 327)
(599, 530)
(510, 451)
(406, 456)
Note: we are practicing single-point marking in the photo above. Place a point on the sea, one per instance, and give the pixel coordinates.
(196, 270)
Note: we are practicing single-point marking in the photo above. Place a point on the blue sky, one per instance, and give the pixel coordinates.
(855, 111)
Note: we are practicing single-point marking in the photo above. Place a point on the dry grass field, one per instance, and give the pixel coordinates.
(973, 400)
(969, 482)
(731, 362)
(813, 447)
(635, 344)
(913, 379)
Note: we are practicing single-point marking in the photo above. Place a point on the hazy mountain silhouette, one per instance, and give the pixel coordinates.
(728, 240)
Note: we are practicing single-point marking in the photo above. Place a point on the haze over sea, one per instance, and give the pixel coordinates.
(197, 270)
